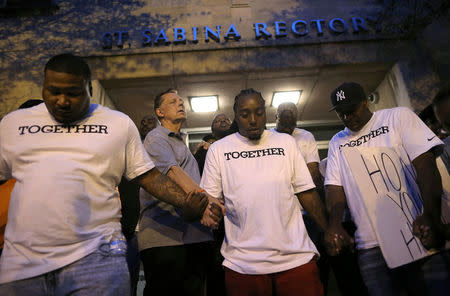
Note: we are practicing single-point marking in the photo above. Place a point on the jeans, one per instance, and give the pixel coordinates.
(99, 273)
(428, 276)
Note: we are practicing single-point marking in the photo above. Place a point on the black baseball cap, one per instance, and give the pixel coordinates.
(347, 95)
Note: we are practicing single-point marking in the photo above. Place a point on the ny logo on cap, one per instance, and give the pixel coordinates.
(340, 95)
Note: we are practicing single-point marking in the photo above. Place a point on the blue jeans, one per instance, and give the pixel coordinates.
(99, 273)
(428, 276)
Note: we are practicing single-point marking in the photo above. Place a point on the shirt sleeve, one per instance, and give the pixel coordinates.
(211, 179)
(415, 136)
(301, 179)
(310, 151)
(332, 173)
(137, 160)
(5, 170)
(160, 152)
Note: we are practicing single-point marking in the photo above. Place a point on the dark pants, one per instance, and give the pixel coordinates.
(348, 277)
(316, 235)
(176, 270)
(216, 272)
(428, 276)
(133, 263)
(345, 266)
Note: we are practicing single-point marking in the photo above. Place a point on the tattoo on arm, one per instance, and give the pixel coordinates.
(162, 187)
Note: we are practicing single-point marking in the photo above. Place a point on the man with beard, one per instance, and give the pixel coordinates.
(219, 127)
(148, 123)
(63, 234)
(262, 178)
(398, 128)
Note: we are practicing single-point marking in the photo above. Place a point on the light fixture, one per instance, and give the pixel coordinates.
(285, 96)
(204, 103)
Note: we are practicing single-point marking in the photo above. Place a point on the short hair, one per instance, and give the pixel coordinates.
(148, 117)
(287, 106)
(30, 103)
(69, 63)
(246, 92)
(158, 98)
(442, 95)
(215, 117)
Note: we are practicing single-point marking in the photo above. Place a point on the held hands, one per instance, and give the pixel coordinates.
(430, 235)
(200, 205)
(202, 144)
(336, 239)
(194, 205)
(213, 213)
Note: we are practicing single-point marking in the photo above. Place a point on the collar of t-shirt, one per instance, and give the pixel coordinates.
(252, 142)
(179, 136)
(367, 126)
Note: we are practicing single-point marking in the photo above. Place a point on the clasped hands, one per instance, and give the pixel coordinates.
(201, 206)
(336, 240)
(432, 234)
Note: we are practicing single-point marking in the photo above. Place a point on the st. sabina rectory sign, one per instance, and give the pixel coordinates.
(278, 30)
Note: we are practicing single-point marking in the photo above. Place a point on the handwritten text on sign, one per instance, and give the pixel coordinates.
(386, 182)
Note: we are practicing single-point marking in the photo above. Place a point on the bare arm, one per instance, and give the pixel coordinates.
(177, 175)
(336, 238)
(428, 227)
(430, 184)
(214, 213)
(313, 168)
(336, 203)
(314, 206)
(164, 189)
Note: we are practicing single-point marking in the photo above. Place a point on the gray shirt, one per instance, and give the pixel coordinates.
(160, 223)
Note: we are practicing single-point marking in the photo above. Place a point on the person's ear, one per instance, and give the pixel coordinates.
(90, 88)
(159, 113)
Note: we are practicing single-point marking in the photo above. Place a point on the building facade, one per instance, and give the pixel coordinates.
(398, 50)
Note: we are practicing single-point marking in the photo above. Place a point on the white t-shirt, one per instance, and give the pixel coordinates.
(307, 144)
(64, 204)
(264, 229)
(397, 128)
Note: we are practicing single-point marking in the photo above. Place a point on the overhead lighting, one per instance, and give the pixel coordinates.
(204, 103)
(285, 96)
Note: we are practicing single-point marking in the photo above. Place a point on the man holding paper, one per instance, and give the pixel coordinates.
(401, 130)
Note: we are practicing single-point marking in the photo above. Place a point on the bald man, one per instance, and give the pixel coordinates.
(148, 122)
(286, 119)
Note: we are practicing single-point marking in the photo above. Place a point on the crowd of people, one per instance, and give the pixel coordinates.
(252, 211)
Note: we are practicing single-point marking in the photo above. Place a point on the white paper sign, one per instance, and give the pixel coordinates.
(386, 182)
(446, 195)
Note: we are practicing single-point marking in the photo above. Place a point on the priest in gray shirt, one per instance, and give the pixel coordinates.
(175, 253)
